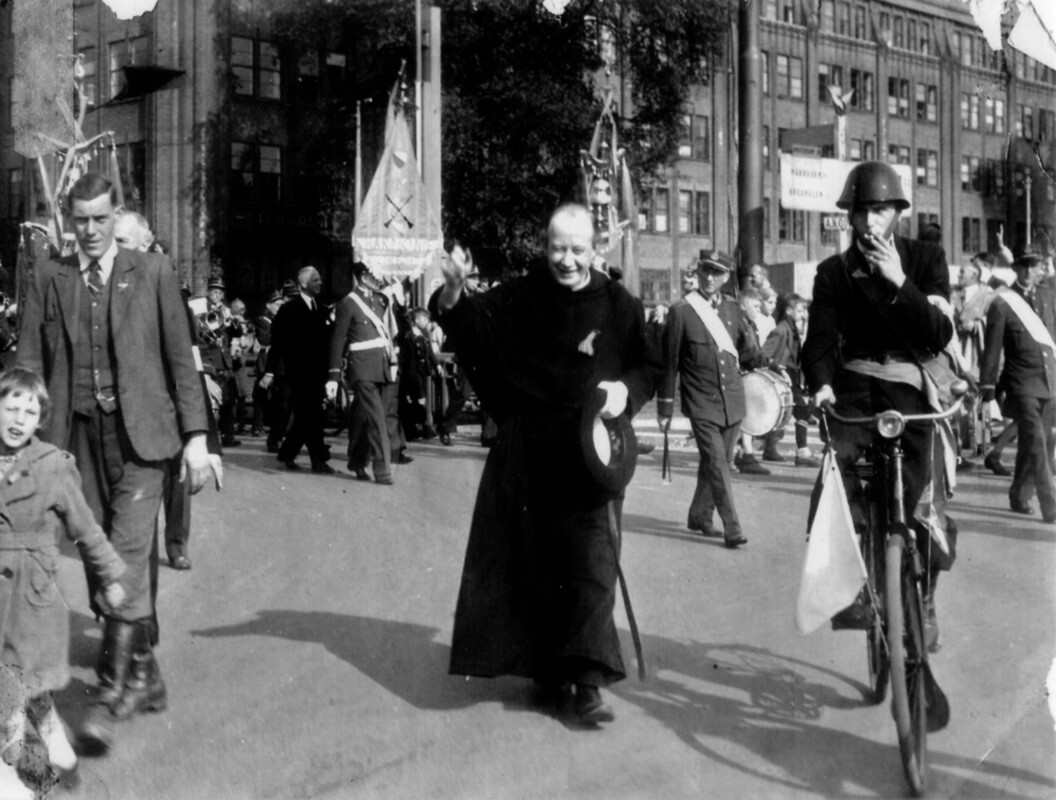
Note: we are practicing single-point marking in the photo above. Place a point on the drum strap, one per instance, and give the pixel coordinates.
(712, 321)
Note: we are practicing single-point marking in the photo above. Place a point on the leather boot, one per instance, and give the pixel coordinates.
(144, 689)
(97, 729)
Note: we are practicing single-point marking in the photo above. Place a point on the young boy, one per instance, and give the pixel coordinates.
(40, 492)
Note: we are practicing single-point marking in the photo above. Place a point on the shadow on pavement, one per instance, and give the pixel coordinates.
(402, 657)
(713, 696)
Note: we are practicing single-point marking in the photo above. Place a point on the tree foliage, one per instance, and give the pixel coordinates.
(522, 92)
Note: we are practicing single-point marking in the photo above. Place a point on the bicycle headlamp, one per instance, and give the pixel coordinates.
(890, 424)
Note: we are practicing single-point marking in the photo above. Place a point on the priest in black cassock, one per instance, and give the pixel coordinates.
(538, 585)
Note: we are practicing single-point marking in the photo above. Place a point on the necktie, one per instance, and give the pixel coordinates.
(311, 305)
(95, 277)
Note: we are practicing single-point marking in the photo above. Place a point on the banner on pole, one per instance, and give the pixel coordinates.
(43, 80)
(397, 233)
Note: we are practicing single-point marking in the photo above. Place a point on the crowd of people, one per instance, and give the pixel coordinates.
(144, 387)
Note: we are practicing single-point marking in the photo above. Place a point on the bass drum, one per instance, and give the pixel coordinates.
(768, 402)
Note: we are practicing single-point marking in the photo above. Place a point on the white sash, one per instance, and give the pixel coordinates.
(712, 321)
(1031, 321)
(375, 320)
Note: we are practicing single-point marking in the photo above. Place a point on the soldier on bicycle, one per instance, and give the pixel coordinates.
(880, 310)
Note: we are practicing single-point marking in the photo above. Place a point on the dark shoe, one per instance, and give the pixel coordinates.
(292, 466)
(180, 562)
(736, 540)
(749, 465)
(96, 735)
(773, 455)
(705, 529)
(322, 468)
(856, 617)
(384, 480)
(403, 458)
(230, 441)
(144, 689)
(589, 708)
(487, 441)
(811, 461)
(272, 447)
(428, 433)
(445, 439)
(256, 432)
(965, 465)
(1018, 507)
(360, 472)
(993, 463)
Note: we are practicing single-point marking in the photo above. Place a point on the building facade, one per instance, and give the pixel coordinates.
(928, 93)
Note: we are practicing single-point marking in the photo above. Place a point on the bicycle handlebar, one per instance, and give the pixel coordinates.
(827, 407)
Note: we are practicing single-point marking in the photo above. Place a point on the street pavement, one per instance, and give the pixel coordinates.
(306, 654)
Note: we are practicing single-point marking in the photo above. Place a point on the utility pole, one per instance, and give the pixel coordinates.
(750, 137)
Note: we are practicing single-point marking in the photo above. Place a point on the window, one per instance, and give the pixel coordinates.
(971, 176)
(911, 35)
(843, 19)
(924, 219)
(788, 11)
(90, 81)
(864, 95)
(256, 173)
(897, 154)
(970, 241)
(868, 150)
(702, 214)
(15, 205)
(769, 10)
(1046, 125)
(766, 219)
(925, 38)
(791, 225)
(999, 116)
(696, 138)
(927, 103)
(861, 31)
(898, 33)
(655, 286)
(927, 167)
(828, 75)
(789, 76)
(995, 177)
(855, 150)
(898, 97)
(645, 209)
(662, 212)
(766, 147)
(123, 54)
(685, 210)
(256, 68)
(885, 27)
(1025, 124)
(308, 76)
(828, 16)
(764, 58)
(337, 69)
(969, 111)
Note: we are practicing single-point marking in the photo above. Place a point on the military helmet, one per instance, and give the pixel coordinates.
(872, 182)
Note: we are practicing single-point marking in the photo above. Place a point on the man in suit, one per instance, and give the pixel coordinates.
(362, 344)
(708, 340)
(299, 339)
(879, 310)
(1021, 322)
(107, 329)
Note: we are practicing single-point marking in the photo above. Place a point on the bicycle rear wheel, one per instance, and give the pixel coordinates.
(878, 659)
(905, 629)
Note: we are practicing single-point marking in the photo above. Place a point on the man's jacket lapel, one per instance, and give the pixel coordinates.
(121, 288)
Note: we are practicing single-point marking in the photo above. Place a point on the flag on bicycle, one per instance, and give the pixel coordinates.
(833, 570)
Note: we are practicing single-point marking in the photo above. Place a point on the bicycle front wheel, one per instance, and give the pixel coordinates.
(905, 634)
(877, 656)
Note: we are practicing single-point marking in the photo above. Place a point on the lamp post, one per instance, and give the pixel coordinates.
(1026, 186)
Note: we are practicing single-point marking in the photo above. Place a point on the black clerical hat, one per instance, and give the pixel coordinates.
(610, 448)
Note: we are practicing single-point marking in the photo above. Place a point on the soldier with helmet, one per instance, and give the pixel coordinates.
(878, 310)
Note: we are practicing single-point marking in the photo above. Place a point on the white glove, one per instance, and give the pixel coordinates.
(615, 398)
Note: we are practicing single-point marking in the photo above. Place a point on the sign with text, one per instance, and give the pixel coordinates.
(815, 184)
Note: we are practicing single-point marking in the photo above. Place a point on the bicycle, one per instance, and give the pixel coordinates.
(896, 585)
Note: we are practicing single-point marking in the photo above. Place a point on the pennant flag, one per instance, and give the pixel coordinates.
(1035, 31)
(397, 233)
(833, 570)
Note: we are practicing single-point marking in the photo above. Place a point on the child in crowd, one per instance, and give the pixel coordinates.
(40, 493)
